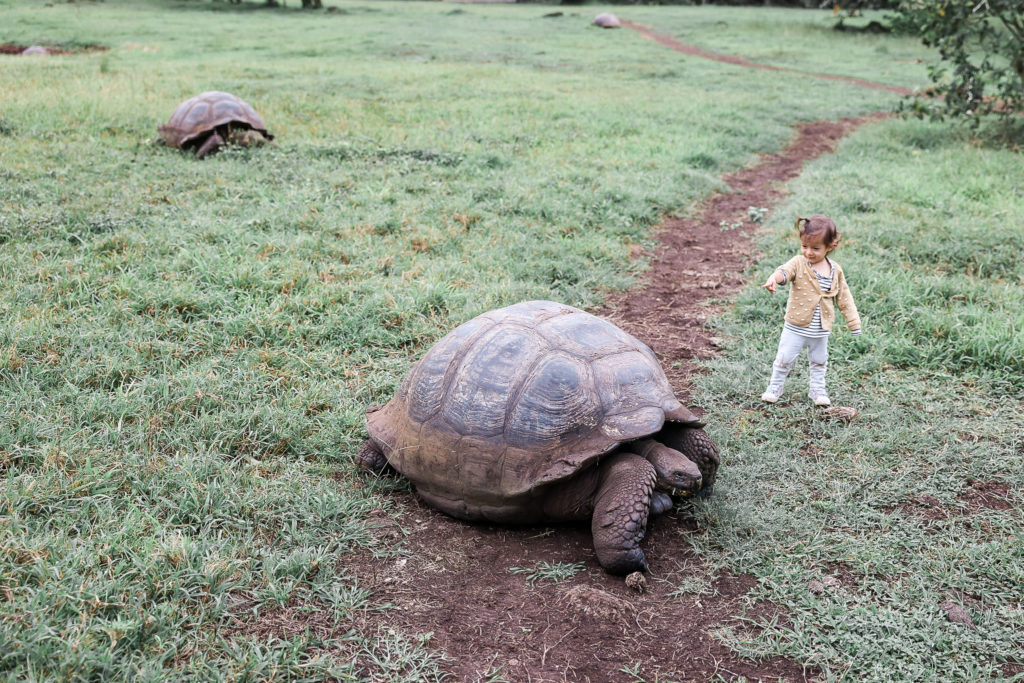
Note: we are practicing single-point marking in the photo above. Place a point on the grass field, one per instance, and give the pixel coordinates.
(187, 348)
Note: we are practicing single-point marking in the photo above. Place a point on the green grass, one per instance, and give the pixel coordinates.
(187, 347)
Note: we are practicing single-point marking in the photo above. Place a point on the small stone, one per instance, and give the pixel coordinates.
(637, 581)
(35, 50)
(822, 585)
(956, 613)
(607, 20)
(841, 413)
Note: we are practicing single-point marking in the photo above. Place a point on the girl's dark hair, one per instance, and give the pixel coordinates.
(819, 225)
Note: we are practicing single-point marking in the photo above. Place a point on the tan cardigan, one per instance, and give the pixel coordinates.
(805, 295)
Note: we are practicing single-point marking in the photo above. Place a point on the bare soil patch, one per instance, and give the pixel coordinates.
(991, 495)
(978, 497)
(456, 583)
(15, 49)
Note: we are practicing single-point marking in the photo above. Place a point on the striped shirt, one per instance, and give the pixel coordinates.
(814, 330)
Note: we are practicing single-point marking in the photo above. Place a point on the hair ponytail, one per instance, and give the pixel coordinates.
(819, 224)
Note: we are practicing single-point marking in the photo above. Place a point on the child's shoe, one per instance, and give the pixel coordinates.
(821, 399)
(769, 396)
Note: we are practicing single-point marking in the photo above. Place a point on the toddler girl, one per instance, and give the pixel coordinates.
(816, 281)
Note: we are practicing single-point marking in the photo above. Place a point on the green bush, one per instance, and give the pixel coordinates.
(981, 45)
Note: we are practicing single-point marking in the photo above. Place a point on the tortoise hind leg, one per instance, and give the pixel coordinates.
(621, 508)
(371, 457)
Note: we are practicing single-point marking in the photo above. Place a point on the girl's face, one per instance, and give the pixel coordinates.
(813, 248)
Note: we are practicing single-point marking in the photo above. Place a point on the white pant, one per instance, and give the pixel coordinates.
(790, 345)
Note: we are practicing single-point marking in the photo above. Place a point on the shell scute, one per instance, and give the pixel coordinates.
(478, 399)
(588, 338)
(630, 381)
(530, 314)
(627, 426)
(423, 389)
(482, 462)
(558, 403)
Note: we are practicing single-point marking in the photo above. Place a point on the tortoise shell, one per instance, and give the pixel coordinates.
(519, 398)
(196, 117)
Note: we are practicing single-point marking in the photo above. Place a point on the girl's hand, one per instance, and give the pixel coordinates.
(771, 284)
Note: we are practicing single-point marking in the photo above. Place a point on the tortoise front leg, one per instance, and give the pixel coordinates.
(212, 144)
(661, 503)
(621, 508)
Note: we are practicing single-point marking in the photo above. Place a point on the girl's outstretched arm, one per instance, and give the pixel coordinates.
(773, 281)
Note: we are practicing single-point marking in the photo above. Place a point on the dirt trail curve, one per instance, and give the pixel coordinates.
(669, 41)
(456, 582)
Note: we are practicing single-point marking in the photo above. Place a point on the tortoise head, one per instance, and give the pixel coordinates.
(245, 136)
(677, 474)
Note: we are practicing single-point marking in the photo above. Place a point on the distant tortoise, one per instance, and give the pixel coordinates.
(207, 121)
(607, 20)
(540, 412)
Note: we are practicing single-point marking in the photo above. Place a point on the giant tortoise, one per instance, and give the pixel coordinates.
(540, 412)
(209, 120)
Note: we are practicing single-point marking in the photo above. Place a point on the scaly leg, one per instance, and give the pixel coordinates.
(621, 508)
(212, 144)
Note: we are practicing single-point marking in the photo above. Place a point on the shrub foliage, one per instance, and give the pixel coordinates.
(981, 44)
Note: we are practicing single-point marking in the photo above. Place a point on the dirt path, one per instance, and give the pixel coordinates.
(14, 49)
(456, 581)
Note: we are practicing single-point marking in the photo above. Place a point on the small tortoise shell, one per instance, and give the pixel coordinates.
(196, 117)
